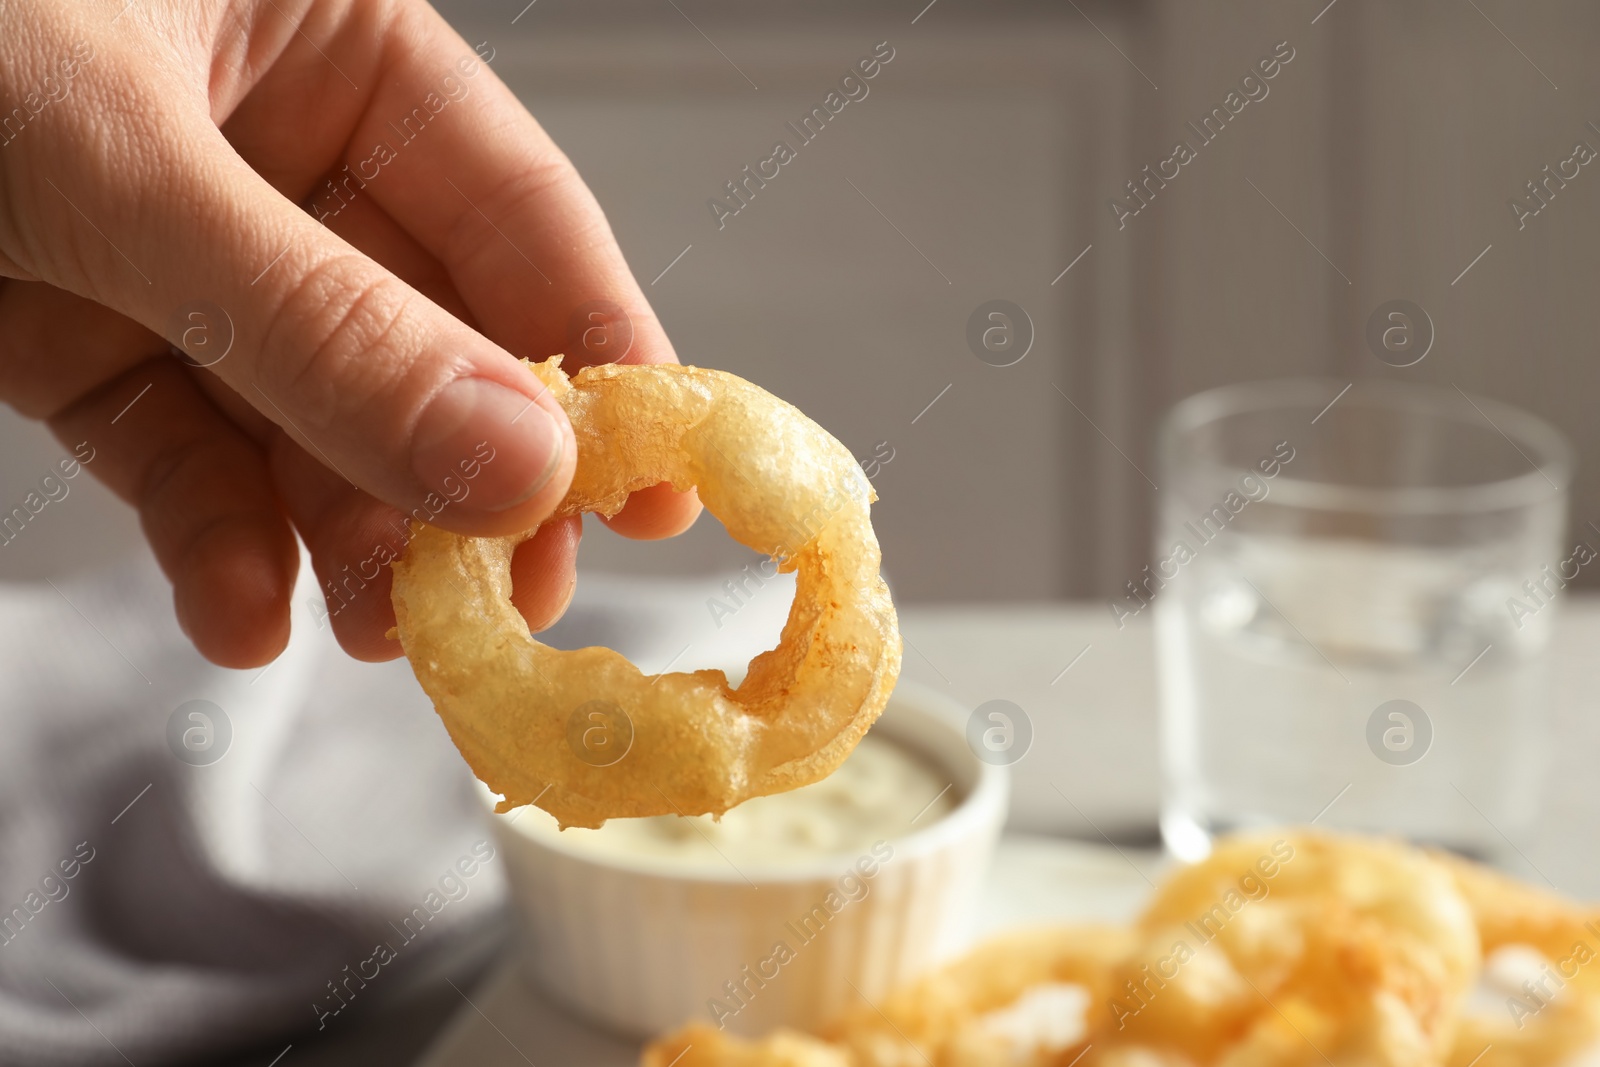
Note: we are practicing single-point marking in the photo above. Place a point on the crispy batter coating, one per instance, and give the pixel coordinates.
(944, 1010)
(1280, 950)
(936, 1019)
(689, 743)
(1361, 948)
(1549, 1024)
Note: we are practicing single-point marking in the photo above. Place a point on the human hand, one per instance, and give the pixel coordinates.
(164, 171)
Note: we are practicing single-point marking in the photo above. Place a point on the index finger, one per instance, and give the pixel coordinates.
(456, 159)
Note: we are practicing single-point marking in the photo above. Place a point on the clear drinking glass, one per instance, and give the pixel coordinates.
(1353, 604)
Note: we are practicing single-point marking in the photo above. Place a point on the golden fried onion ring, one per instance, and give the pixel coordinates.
(941, 1012)
(1354, 951)
(1566, 1025)
(1358, 951)
(782, 486)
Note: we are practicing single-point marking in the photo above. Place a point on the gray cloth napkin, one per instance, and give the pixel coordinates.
(172, 886)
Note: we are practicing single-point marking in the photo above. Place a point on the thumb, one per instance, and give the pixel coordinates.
(368, 375)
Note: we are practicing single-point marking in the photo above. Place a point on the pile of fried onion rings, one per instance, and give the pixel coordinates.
(584, 733)
(1304, 950)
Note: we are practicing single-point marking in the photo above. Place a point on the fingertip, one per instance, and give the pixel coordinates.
(650, 343)
(544, 572)
(362, 615)
(656, 513)
(369, 643)
(353, 541)
(231, 594)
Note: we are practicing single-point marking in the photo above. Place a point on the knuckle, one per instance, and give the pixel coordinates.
(192, 485)
(339, 336)
(165, 475)
(168, 499)
(14, 254)
(69, 223)
(541, 180)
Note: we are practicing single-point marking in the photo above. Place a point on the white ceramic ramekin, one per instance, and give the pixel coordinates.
(640, 947)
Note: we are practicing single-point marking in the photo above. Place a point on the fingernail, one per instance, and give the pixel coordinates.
(494, 441)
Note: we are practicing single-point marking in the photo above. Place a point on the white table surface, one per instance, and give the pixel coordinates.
(1095, 726)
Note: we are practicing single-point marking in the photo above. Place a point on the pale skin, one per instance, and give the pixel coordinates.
(182, 161)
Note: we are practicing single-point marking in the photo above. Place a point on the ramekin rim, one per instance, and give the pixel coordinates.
(985, 802)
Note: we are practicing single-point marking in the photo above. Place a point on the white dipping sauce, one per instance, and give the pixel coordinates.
(873, 796)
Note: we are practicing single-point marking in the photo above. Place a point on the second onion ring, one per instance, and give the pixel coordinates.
(682, 743)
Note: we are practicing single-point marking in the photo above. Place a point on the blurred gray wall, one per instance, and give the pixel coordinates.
(1378, 165)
